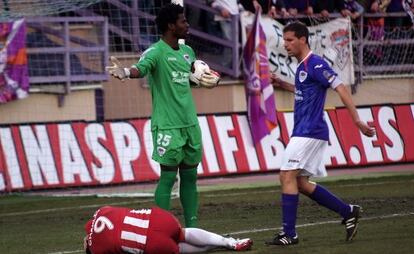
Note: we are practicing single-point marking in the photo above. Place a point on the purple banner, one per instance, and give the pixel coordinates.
(261, 109)
(14, 78)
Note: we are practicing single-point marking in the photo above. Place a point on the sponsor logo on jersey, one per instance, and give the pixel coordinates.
(180, 77)
(298, 95)
(302, 76)
(318, 66)
(171, 58)
(141, 211)
(161, 151)
(293, 161)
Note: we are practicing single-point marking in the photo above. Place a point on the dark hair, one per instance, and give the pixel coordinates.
(168, 15)
(299, 29)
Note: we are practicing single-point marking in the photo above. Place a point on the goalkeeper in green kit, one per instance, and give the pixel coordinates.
(176, 133)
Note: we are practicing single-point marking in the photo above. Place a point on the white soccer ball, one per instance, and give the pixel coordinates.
(199, 68)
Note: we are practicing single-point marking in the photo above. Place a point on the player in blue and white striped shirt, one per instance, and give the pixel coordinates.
(304, 154)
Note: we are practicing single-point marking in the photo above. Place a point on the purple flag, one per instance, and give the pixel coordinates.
(261, 109)
(14, 78)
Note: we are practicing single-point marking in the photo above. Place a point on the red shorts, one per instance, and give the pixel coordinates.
(164, 233)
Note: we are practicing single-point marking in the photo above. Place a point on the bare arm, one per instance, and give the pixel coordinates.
(277, 82)
(134, 73)
(349, 104)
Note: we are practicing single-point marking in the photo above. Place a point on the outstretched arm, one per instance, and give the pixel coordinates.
(120, 72)
(349, 104)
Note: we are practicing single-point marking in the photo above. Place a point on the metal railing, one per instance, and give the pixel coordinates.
(391, 45)
(362, 44)
(56, 59)
(233, 44)
(392, 40)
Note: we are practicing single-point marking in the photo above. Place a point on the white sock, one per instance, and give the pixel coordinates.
(200, 237)
(188, 248)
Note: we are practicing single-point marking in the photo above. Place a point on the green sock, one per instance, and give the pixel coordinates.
(164, 187)
(189, 196)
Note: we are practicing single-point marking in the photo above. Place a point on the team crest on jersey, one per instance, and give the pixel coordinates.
(302, 76)
(161, 151)
(187, 58)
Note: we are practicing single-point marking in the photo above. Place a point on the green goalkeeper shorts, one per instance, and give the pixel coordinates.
(175, 146)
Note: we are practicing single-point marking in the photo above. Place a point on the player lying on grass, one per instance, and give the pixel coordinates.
(119, 230)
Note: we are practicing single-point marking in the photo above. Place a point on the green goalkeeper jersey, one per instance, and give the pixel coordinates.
(168, 72)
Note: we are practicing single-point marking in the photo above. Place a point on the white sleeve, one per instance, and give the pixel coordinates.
(336, 82)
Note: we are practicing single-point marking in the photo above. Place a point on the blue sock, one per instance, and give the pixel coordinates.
(289, 211)
(325, 198)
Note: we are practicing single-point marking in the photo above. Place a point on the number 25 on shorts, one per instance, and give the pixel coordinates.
(163, 140)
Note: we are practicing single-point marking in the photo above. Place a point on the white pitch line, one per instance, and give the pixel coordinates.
(67, 252)
(75, 207)
(66, 208)
(146, 201)
(276, 191)
(270, 229)
(322, 223)
(238, 193)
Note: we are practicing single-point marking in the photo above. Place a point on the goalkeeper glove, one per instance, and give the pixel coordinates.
(209, 79)
(202, 75)
(116, 70)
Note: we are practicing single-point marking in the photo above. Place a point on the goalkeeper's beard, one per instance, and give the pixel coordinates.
(183, 35)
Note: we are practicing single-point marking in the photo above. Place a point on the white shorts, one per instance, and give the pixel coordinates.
(305, 154)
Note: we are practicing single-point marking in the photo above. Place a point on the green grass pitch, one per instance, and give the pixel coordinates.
(45, 225)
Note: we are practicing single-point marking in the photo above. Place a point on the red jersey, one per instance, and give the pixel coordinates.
(118, 230)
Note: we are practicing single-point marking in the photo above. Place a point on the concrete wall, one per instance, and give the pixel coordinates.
(382, 91)
(130, 99)
(370, 92)
(78, 105)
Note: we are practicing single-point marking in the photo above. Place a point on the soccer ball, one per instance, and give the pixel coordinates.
(202, 75)
(199, 68)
